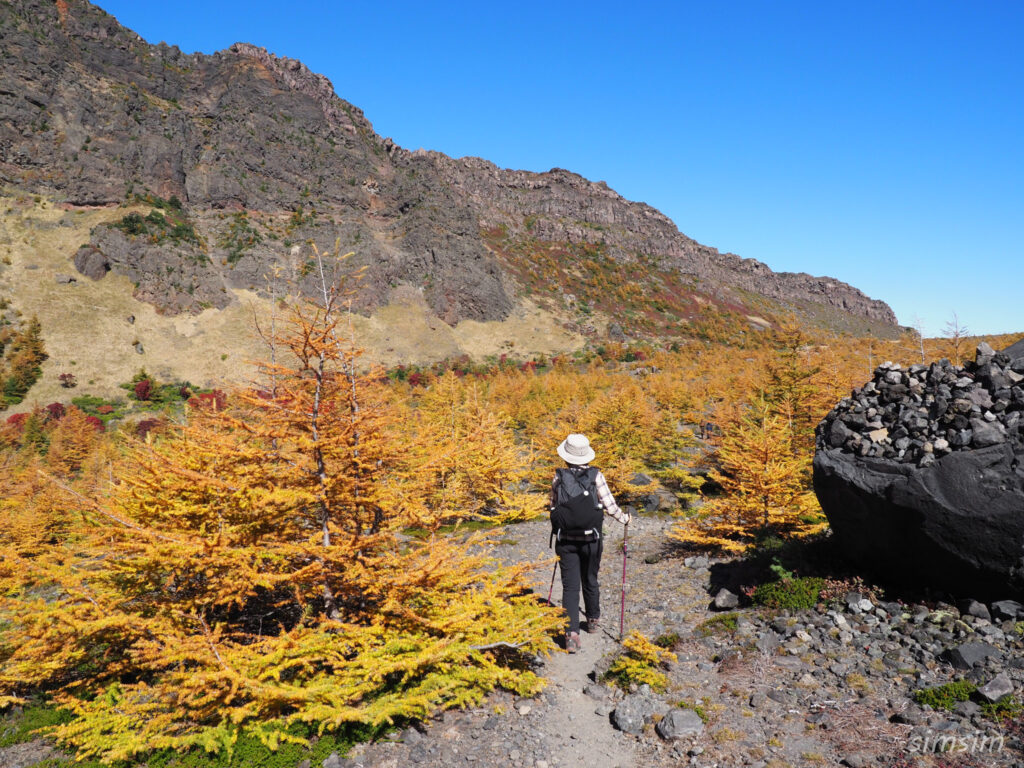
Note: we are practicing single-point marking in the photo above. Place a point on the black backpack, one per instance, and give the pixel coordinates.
(577, 514)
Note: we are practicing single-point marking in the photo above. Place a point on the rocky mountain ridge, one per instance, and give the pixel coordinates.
(266, 157)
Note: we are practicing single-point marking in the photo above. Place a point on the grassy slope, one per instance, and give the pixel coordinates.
(87, 333)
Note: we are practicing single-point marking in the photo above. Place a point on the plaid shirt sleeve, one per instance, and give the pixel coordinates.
(604, 495)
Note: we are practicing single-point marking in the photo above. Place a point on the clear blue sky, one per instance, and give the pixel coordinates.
(878, 142)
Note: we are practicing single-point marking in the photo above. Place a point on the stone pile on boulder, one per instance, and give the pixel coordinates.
(920, 473)
(922, 412)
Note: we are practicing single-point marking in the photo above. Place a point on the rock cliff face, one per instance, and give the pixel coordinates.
(93, 115)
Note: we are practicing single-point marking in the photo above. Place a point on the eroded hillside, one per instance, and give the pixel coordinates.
(263, 157)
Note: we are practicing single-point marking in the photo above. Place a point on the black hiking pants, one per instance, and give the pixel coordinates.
(579, 562)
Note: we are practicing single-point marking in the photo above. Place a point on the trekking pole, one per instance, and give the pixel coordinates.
(622, 612)
(551, 589)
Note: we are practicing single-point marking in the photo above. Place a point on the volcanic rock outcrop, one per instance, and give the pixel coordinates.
(264, 157)
(920, 473)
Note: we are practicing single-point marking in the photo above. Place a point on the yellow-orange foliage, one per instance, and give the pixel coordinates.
(764, 485)
(73, 441)
(466, 458)
(248, 572)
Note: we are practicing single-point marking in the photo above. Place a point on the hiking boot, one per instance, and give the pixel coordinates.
(572, 641)
(593, 625)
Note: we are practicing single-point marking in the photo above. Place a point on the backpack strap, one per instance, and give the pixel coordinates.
(586, 480)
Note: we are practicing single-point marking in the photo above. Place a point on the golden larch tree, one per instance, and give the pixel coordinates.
(248, 573)
(764, 485)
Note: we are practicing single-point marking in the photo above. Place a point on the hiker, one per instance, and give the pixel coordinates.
(580, 499)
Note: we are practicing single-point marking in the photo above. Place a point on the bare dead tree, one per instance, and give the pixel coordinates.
(956, 332)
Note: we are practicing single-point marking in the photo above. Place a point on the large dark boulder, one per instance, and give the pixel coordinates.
(921, 475)
(957, 524)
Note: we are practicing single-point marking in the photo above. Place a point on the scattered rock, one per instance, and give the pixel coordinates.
(967, 709)
(1007, 609)
(974, 608)
(28, 754)
(970, 655)
(62, 279)
(857, 603)
(983, 354)
(679, 723)
(597, 691)
(636, 710)
(725, 600)
(997, 688)
(858, 760)
(851, 663)
(91, 262)
(630, 716)
(411, 736)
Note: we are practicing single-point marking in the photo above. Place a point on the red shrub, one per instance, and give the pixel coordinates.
(143, 389)
(146, 426)
(105, 409)
(55, 411)
(215, 400)
(17, 420)
(96, 423)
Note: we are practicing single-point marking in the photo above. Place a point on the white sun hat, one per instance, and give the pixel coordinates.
(576, 449)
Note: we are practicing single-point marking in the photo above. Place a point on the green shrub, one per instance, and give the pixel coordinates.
(132, 224)
(157, 393)
(166, 220)
(668, 641)
(723, 622)
(103, 409)
(240, 237)
(945, 696)
(794, 594)
(22, 727)
(248, 751)
(1008, 707)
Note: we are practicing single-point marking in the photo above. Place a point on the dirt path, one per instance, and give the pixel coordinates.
(578, 734)
(567, 725)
